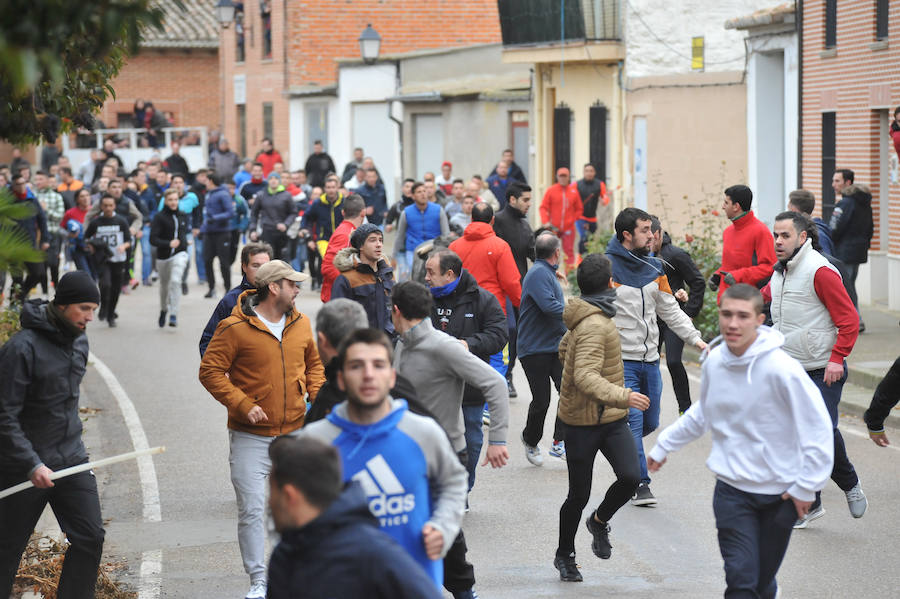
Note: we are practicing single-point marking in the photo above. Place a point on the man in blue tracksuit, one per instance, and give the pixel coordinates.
(415, 485)
(254, 255)
(540, 330)
(218, 220)
(420, 221)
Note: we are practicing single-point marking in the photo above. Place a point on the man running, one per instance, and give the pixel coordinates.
(414, 482)
(813, 310)
(772, 445)
(261, 364)
(593, 405)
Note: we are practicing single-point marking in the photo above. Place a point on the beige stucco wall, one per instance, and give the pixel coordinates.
(696, 140)
(579, 86)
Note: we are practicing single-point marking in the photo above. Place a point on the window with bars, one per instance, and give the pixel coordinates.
(239, 36)
(266, 13)
(242, 127)
(597, 134)
(268, 120)
(562, 137)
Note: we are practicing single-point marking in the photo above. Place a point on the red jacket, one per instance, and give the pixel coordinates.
(338, 241)
(895, 136)
(268, 161)
(561, 206)
(489, 259)
(748, 252)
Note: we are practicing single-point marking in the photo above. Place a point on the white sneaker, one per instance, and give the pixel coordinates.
(257, 590)
(558, 450)
(856, 501)
(532, 453)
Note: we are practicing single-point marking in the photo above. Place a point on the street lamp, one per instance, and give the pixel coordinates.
(369, 44)
(225, 12)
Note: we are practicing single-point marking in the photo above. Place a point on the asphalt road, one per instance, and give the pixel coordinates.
(667, 551)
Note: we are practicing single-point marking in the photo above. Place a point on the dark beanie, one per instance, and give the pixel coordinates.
(362, 232)
(76, 287)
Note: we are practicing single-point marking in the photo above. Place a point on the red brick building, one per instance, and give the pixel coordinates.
(849, 89)
(278, 51)
(177, 69)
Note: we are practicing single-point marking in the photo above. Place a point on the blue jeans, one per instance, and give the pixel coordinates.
(474, 438)
(198, 258)
(843, 473)
(146, 256)
(754, 531)
(643, 377)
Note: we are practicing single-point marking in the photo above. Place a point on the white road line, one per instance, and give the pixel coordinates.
(151, 561)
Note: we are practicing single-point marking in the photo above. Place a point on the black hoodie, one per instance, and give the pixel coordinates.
(41, 368)
(166, 226)
(343, 553)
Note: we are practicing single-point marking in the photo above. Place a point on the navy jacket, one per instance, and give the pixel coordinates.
(852, 226)
(34, 223)
(343, 553)
(41, 368)
(825, 241)
(219, 212)
(222, 311)
(540, 326)
(324, 215)
(377, 199)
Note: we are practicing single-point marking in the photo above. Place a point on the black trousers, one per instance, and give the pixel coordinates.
(235, 242)
(615, 442)
(111, 281)
(76, 505)
(277, 239)
(540, 369)
(674, 350)
(459, 574)
(217, 245)
(32, 277)
(51, 263)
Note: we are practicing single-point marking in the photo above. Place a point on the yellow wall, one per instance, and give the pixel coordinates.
(579, 85)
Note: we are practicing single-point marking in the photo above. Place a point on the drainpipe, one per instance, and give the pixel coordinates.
(398, 122)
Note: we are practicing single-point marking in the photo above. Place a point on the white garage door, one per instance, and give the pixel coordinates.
(429, 144)
(376, 134)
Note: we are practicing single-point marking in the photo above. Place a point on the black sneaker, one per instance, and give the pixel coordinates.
(643, 497)
(101, 314)
(111, 322)
(184, 289)
(568, 569)
(210, 294)
(162, 318)
(600, 545)
(512, 389)
(173, 321)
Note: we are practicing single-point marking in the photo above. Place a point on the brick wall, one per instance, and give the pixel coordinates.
(183, 81)
(323, 30)
(307, 37)
(858, 82)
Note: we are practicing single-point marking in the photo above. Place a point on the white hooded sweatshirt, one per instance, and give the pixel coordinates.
(770, 430)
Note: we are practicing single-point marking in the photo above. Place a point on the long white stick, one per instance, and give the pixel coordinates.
(82, 467)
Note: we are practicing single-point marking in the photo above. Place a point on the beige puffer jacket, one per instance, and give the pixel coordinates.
(593, 382)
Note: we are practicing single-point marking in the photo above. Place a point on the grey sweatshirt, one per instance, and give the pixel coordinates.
(439, 366)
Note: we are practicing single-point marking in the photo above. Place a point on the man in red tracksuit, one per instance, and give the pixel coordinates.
(488, 258)
(748, 251)
(560, 208)
(353, 210)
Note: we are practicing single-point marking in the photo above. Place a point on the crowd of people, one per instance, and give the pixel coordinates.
(369, 425)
